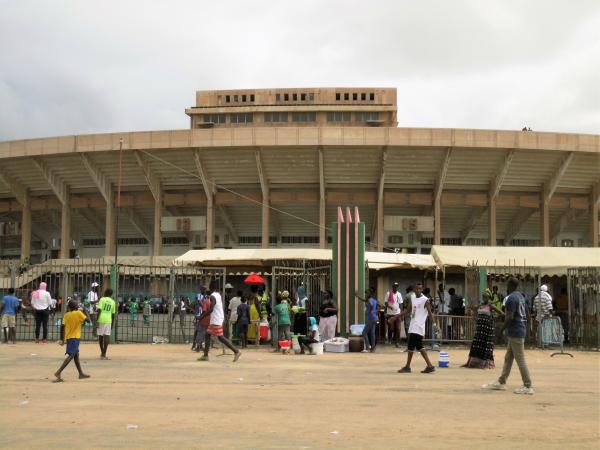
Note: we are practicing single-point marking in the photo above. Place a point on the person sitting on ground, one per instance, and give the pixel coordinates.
(243, 319)
(8, 311)
(282, 312)
(70, 331)
(312, 338)
(421, 309)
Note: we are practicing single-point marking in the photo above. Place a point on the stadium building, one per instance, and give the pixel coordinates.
(269, 167)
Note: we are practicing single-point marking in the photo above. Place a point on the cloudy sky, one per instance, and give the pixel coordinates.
(73, 67)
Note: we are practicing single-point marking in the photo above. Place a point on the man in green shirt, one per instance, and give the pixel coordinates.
(133, 311)
(282, 313)
(105, 320)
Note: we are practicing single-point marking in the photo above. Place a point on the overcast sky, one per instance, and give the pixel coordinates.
(74, 67)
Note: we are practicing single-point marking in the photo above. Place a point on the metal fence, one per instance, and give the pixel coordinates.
(158, 291)
(584, 307)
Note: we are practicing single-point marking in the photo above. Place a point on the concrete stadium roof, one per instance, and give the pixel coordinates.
(519, 165)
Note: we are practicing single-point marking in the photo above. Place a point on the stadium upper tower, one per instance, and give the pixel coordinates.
(268, 167)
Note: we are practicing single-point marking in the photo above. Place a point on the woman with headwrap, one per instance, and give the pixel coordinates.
(481, 355)
(41, 302)
(313, 335)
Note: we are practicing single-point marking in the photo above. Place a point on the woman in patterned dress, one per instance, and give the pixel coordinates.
(481, 355)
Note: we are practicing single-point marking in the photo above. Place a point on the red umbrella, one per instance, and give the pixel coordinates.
(254, 279)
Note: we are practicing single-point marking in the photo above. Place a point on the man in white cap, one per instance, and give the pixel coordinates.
(92, 302)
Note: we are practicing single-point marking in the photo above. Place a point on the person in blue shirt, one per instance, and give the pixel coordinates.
(8, 310)
(515, 324)
(371, 306)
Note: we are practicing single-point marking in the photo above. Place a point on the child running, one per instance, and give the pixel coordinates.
(217, 316)
(420, 310)
(70, 331)
(105, 320)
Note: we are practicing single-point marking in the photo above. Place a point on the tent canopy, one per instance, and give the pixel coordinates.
(258, 257)
(550, 260)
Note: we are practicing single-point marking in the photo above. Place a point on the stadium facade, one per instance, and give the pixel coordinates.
(269, 167)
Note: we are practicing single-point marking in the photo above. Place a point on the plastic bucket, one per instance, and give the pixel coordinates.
(316, 349)
(444, 360)
(283, 344)
(264, 331)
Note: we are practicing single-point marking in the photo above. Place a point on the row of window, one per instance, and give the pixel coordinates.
(300, 116)
(355, 95)
(237, 98)
(100, 242)
(256, 240)
(296, 97)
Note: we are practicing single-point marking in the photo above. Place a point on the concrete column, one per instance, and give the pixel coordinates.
(594, 209)
(492, 222)
(109, 236)
(380, 233)
(26, 230)
(265, 223)
(544, 222)
(65, 231)
(210, 222)
(322, 223)
(437, 222)
(157, 247)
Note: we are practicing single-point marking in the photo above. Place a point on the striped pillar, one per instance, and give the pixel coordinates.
(348, 267)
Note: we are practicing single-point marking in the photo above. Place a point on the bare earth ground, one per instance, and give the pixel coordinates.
(287, 401)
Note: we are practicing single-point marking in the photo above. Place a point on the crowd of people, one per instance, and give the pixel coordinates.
(237, 317)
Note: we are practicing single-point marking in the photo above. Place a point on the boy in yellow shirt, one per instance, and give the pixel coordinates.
(70, 331)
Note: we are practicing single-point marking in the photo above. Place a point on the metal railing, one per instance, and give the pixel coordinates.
(158, 291)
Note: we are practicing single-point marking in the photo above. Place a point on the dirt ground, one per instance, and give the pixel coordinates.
(267, 400)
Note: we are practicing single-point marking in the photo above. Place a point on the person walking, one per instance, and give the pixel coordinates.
(70, 332)
(217, 317)
(328, 316)
(41, 302)
(515, 325)
(420, 310)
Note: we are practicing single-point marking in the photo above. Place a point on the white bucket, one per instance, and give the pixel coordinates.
(316, 349)
(444, 360)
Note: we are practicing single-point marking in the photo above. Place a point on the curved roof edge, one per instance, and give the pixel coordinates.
(303, 136)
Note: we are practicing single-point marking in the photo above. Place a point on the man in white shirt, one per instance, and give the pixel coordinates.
(233, 305)
(393, 305)
(41, 303)
(420, 310)
(217, 317)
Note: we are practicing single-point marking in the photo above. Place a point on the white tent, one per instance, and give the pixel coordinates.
(550, 260)
(259, 257)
